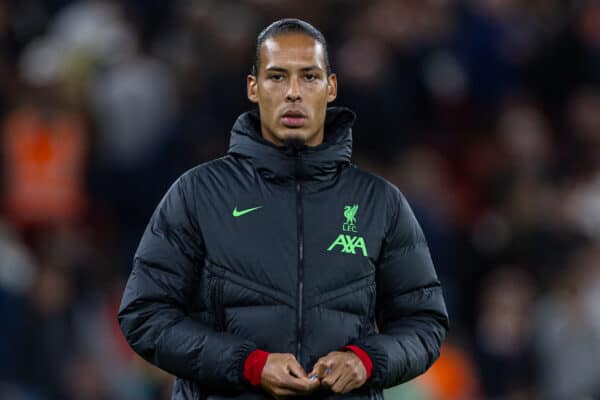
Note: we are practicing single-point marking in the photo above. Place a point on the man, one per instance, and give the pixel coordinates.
(281, 269)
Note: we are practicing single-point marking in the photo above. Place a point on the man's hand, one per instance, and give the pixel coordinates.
(340, 371)
(283, 376)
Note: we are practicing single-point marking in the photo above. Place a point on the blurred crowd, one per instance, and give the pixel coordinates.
(486, 113)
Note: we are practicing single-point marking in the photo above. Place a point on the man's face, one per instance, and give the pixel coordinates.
(292, 89)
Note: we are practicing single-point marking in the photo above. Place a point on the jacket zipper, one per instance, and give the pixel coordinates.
(300, 225)
(216, 293)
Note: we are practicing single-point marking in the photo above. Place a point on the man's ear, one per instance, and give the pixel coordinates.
(331, 87)
(251, 88)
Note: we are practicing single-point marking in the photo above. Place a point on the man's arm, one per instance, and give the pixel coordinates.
(154, 310)
(410, 312)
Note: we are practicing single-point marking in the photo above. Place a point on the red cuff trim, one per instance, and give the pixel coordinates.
(254, 365)
(364, 357)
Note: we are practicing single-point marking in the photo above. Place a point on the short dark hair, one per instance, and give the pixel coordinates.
(285, 26)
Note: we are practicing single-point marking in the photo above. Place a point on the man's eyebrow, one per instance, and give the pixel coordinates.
(277, 69)
(303, 69)
(310, 68)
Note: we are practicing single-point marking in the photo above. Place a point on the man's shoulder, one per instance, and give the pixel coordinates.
(372, 178)
(220, 166)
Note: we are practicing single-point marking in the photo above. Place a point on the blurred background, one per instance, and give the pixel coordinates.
(486, 113)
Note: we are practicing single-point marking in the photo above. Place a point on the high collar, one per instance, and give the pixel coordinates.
(309, 163)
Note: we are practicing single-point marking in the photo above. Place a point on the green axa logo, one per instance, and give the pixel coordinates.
(349, 243)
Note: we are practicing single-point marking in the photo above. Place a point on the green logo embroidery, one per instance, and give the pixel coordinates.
(237, 213)
(350, 214)
(349, 243)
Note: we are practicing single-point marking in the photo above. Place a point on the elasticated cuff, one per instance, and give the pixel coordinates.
(364, 357)
(253, 366)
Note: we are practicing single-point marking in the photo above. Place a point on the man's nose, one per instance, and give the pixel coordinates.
(293, 93)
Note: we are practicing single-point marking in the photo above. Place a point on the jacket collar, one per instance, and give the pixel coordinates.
(309, 163)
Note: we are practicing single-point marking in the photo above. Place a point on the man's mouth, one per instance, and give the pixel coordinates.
(293, 119)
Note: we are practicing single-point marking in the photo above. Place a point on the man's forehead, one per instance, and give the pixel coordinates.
(292, 50)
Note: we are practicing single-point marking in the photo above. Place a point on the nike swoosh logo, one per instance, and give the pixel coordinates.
(237, 213)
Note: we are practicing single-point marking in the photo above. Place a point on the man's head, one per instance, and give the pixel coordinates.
(292, 82)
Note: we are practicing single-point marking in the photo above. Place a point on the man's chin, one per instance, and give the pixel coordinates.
(298, 134)
(294, 143)
(294, 135)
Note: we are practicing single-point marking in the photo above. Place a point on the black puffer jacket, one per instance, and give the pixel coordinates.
(290, 252)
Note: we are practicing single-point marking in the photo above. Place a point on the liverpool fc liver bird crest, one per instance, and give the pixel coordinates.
(350, 214)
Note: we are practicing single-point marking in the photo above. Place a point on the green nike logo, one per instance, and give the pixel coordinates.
(237, 213)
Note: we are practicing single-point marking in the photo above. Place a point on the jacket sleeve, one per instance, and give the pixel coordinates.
(410, 311)
(154, 311)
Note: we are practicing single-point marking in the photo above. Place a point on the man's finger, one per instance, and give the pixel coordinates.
(345, 378)
(296, 369)
(313, 384)
(316, 368)
(290, 382)
(300, 385)
(351, 385)
(296, 379)
(330, 379)
(321, 368)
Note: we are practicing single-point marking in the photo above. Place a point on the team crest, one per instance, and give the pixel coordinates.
(350, 215)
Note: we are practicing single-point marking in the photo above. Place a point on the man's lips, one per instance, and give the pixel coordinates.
(293, 119)
(293, 122)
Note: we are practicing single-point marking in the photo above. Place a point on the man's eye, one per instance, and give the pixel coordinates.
(310, 77)
(276, 78)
